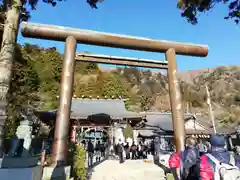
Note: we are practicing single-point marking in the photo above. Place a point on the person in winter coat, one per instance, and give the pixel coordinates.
(127, 150)
(134, 151)
(174, 164)
(140, 150)
(90, 150)
(219, 152)
(120, 150)
(98, 151)
(185, 165)
(202, 148)
(152, 148)
(190, 160)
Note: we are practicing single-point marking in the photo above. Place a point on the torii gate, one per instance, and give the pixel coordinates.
(73, 36)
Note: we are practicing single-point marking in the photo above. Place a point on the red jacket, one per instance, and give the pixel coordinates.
(174, 160)
(206, 171)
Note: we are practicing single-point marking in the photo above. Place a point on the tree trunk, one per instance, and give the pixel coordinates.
(6, 60)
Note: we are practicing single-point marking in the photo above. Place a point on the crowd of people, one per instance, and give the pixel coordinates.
(199, 160)
(122, 150)
(134, 151)
(97, 151)
(209, 161)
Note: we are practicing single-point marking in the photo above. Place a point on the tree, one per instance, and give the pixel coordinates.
(24, 83)
(191, 8)
(35, 83)
(15, 12)
(112, 86)
(128, 131)
(146, 102)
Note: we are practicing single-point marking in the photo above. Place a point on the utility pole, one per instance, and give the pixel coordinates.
(210, 111)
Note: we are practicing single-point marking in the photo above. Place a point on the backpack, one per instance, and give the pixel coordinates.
(224, 171)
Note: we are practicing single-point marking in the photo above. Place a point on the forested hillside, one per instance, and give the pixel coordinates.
(36, 81)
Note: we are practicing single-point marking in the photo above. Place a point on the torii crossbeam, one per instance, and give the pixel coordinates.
(73, 36)
(124, 61)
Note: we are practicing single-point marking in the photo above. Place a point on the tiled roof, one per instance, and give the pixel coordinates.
(146, 133)
(162, 120)
(115, 108)
(84, 108)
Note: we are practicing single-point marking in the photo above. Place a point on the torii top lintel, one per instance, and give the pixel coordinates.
(60, 33)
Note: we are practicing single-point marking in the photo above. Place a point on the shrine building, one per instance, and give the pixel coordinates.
(94, 118)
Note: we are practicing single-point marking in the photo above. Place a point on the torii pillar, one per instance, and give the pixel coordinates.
(60, 148)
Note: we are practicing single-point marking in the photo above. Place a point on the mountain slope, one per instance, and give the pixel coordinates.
(223, 83)
(151, 90)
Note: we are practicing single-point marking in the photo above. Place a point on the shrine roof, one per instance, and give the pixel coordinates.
(86, 108)
(146, 133)
(115, 108)
(163, 120)
(161, 123)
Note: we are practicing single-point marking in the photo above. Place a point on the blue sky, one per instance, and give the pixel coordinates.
(148, 18)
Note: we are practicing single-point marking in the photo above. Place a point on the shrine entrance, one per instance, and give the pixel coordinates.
(73, 36)
(95, 135)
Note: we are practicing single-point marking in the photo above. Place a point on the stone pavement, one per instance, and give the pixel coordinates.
(129, 170)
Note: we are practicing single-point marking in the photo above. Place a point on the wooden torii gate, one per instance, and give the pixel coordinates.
(73, 36)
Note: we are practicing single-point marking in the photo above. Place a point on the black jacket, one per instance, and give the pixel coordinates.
(119, 148)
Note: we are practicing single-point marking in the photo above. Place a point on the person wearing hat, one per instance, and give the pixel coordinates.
(219, 152)
(218, 148)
